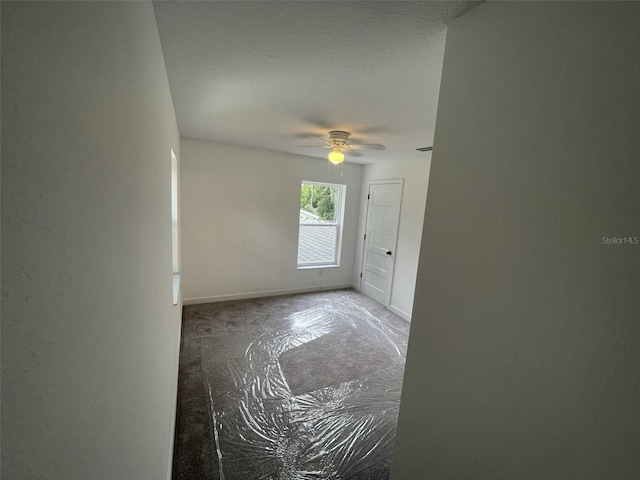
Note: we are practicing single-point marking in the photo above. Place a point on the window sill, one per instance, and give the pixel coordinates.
(315, 267)
(176, 288)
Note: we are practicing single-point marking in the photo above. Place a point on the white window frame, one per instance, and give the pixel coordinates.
(339, 220)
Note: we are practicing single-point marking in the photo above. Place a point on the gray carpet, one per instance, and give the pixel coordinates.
(300, 386)
(328, 361)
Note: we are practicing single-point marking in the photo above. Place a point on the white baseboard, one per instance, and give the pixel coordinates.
(268, 293)
(402, 314)
(393, 309)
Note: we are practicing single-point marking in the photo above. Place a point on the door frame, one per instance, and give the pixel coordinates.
(399, 181)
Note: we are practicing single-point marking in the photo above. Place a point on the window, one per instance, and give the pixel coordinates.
(320, 232)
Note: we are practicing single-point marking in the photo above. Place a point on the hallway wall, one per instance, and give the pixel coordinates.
(523, 357)
(89, 333)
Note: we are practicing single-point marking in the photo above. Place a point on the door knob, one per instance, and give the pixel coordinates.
(388, 252)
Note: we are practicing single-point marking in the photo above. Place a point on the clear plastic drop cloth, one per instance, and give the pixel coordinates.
(314, 395)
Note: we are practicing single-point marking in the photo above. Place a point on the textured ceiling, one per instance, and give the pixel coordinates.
(266, 74)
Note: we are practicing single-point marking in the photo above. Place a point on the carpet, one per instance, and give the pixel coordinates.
(294, 387)
(329, 361)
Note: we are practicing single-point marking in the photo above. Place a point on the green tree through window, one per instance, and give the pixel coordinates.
(319, 200)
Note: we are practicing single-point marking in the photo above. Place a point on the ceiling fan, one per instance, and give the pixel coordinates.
(339, 144)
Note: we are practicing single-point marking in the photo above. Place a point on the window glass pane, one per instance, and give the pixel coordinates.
(317, 243)
(318, 203)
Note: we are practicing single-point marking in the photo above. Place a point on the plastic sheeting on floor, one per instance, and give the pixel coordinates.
(314, 395)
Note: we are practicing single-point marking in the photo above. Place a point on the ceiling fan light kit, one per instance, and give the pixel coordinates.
(336, 156)
(338, 140)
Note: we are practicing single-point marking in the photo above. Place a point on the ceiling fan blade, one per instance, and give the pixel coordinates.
(369, 146)
(353, 153)
(314, 146)
(318, 122)
(313, 135)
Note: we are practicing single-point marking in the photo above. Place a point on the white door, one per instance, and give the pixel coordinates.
(381, 231)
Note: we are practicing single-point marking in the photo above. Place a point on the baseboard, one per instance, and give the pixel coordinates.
(393, 309)
(268, 293)
(402, 314)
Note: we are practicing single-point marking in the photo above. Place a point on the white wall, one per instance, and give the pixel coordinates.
(240, 213)
(523, 357)
(90, 336)
(415, 173)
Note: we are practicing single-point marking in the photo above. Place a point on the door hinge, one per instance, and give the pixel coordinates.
(365, 236)
(368, 196)
(360, 274)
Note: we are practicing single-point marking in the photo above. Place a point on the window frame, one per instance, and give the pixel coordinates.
(338, 223)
